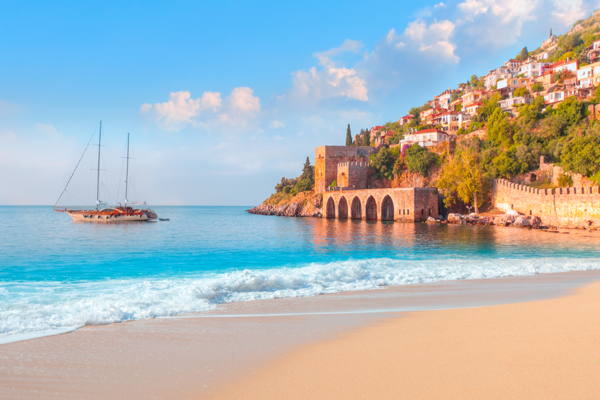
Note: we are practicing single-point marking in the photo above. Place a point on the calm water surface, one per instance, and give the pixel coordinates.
(56, 274)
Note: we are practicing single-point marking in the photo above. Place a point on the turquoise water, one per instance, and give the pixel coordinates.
(56, 274)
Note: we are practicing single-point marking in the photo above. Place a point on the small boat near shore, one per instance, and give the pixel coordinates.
(117, 213)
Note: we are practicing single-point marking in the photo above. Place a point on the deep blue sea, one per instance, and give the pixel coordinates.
(56, 275)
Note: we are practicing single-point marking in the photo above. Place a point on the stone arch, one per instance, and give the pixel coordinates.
(330, 212)
(371, 209)
(387, 209)
(356, 210)
(342, 208)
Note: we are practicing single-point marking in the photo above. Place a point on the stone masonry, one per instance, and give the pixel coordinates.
(352, 175)
(406, 205)
(572, 207)
(327, 159)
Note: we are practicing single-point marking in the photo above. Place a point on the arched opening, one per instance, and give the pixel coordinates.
(533, 178)
(343, 209)
(387, 209)
(356, 210)
(330, 208)
(371, 209)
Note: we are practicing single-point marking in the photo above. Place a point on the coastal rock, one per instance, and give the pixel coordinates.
(308, 206)
(521, 222)
(432, 220)
(454, 218)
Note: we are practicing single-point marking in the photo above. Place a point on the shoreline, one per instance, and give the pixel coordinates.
(538, 349)
(194, 356)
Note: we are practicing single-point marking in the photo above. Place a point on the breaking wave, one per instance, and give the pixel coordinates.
(33, 309)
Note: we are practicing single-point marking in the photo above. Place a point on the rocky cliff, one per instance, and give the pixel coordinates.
(305, 204)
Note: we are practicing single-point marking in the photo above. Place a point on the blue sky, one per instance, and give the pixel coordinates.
(224, 98)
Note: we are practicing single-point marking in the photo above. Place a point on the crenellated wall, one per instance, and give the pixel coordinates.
(570, 207)
(352, 175)
(327, 159)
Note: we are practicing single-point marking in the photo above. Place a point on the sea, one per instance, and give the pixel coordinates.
(57, 276)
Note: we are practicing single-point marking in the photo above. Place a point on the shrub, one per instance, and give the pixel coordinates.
(419, 159)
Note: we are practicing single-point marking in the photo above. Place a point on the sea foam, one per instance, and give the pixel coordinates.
(33, 309)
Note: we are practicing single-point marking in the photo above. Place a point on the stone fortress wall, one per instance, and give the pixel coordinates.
(572, 207)
(352, 175)
(406, 205)
(327, 159)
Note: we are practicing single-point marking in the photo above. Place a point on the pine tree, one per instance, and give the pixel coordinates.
(306, 170)
(348, 136)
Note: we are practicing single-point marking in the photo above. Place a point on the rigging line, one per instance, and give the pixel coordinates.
(65, 189)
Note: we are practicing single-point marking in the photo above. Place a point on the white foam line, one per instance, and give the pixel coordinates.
(19, 337)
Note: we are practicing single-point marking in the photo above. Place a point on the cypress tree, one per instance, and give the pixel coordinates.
(348, 136)
(550, 32)
(524, 54)
(367, 138)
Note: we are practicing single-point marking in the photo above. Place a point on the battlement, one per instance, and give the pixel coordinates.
(353, 164)
(548, 192)
(567, 207)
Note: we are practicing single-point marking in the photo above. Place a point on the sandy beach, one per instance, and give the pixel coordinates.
(368, 344)
(542, 349)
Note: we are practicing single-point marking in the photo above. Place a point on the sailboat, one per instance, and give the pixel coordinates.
(119, 213)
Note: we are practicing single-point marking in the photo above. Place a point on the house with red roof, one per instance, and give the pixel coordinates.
(425, 138)
(472, 108)
(406, 119)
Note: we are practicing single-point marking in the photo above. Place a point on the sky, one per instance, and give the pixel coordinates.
(222, 99)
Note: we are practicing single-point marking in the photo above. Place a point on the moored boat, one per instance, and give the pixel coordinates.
(118, 213)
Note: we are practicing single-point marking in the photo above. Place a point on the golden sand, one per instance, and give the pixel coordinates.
(546, 349)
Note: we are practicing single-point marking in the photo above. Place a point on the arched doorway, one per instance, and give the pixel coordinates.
(356, 210)
(371, 209)
(330, 208)
(343, 209)
(387, 209)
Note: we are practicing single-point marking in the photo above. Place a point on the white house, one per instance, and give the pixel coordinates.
(531, 69)
(509, 104)
(425, 138)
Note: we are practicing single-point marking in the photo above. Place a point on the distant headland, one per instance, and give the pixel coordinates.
(517, 146)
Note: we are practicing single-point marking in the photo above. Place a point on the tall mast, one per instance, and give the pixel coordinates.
(98, 180)
(127, 171)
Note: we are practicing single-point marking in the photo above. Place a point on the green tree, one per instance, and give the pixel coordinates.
(506, 165)
(473, 80)
(537, 87)
(524, 53)
(348, 136)
(366, 138)
(582, 155)
(571, 111)
(520, 92)
(489, 106)
(463, 179)
(500, 130)
(383, 162)
(420, 159)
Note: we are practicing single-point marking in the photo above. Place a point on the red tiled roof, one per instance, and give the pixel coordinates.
(428, 131)
(474, 104)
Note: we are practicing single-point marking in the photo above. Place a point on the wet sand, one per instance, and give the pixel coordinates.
(202, 355)
(548, 349)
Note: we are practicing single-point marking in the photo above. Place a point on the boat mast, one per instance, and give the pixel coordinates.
(127, 171)
(98, 180)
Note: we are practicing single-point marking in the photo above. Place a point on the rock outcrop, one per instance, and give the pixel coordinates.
(301, 205)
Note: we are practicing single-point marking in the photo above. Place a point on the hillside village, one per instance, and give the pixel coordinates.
(532, 121)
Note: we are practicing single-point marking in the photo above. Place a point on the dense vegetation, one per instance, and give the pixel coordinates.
(303, 183)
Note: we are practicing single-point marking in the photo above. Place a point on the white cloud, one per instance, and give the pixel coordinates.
(330, 81)
(439, 5)
(47, 129)
(181, 110)
(569, 11)
(433, 38)
(276, 124)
